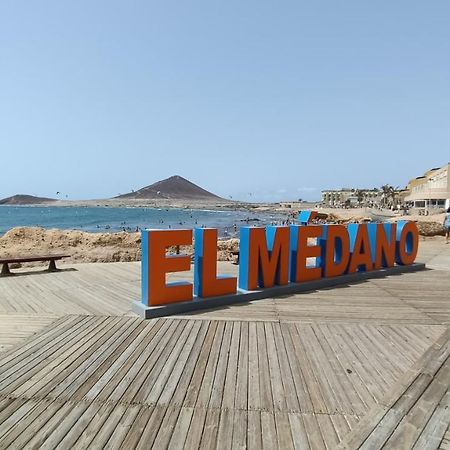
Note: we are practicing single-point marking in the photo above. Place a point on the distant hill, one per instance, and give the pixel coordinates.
(21, 199)
(175, 187)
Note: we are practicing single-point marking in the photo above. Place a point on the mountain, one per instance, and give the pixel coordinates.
(21, 199)
(175, 187)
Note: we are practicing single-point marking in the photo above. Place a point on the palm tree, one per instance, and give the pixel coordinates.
(388, 194)
(360, 195)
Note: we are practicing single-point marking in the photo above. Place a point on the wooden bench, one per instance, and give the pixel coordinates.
(11, 260)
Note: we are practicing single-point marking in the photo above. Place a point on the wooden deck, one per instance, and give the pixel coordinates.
(361, 366)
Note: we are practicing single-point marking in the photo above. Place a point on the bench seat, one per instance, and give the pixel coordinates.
(5, 261)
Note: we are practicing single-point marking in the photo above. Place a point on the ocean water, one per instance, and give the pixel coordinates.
(105, 219)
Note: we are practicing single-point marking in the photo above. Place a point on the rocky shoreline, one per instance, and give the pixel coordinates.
(124, 246)
(89, 247)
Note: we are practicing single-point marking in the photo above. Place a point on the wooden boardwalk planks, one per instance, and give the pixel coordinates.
(414, 414)
(82, 289)
(209, 380)
(14, 328)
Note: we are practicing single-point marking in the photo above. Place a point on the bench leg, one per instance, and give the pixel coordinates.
(52, 266)
(5, 270)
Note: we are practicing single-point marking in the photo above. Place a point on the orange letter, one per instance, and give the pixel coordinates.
(155, 266)
(337, 251)
(361, 255)
(384, 247)
(206, 284)
(263, 257)
(301, 271)
(407, 242)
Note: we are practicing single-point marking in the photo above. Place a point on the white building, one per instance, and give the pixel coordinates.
(350, 197)
(431, 190)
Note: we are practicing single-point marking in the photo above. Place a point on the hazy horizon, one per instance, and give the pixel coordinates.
(62, 196)
(260, 101)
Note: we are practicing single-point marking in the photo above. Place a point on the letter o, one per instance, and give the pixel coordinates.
(407, 243)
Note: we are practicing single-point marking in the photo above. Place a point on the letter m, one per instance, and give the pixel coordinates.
(263, 257)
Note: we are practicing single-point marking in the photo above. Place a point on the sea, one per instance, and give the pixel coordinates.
(108, 219)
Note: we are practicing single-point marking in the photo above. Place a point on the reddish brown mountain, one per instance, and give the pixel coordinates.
(175, 187)
(22, 199)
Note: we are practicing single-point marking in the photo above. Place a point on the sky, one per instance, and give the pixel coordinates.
(253, 100)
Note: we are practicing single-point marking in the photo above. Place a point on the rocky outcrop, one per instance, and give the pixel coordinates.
(175, 187)
(22, 199)
(430, 228)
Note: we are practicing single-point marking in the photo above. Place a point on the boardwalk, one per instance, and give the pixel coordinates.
(360, 366)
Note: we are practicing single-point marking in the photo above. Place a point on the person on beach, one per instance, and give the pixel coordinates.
(447, 225)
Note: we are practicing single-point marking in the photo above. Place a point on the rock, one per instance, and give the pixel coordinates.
(430, 228)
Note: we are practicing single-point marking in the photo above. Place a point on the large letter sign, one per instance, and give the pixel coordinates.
(272, 258)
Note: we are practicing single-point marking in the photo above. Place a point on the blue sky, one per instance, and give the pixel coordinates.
(256, 100)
